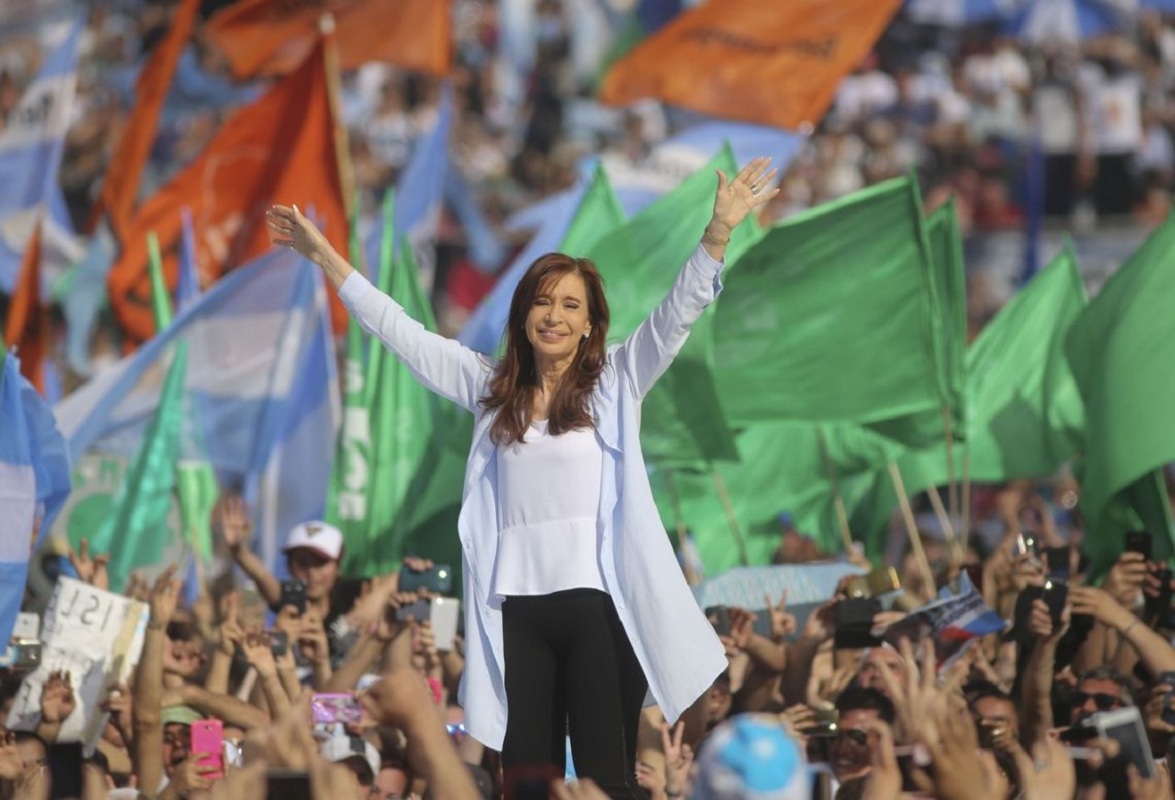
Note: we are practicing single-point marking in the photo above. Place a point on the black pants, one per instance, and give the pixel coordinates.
(570, 668)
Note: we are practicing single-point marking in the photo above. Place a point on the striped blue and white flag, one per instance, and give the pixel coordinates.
(34, 482)
(30, 149)
(261, 370)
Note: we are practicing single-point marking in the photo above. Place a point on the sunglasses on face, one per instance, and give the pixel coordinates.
(859, 738)
(1104, 702)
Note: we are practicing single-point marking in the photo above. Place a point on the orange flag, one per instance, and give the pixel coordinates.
(121, 186)
(764, 61)
(279, 149)
(27, 326)
(271, 37)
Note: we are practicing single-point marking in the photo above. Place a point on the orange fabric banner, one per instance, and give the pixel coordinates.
(27, 326)
(279, 149)
(271, 37)
(121, 186)
(763, 61)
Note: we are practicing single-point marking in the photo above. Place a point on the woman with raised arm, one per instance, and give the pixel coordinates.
(575, 604)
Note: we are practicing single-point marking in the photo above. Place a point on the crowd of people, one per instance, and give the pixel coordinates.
(805, 709)
(964, 107)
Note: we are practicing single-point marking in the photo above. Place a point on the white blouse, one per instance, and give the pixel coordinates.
(548, 501)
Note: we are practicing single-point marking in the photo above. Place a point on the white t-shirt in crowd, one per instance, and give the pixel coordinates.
(548, 501)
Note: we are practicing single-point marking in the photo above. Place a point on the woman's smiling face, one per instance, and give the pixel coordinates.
(558, 319)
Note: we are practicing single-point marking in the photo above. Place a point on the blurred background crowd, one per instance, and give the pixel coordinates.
(963, 105)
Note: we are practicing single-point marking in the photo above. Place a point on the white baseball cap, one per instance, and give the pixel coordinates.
(341, 748)
(318, 536)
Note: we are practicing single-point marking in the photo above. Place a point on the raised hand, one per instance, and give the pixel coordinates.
(678, 759)
(164, 597)
(187, 776)
(57, 698)
(90, 570)
(258, 653)
(885, 781)
(231, 632)
(289, 227)
(783, 624)
(312, 639)
(11, 762)
(231, 515)
(119, 704)
(736, 199)
(1126, 578)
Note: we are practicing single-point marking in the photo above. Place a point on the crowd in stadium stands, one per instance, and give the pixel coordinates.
(1018, 714)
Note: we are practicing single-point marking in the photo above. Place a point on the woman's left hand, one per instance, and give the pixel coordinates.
(737, 198)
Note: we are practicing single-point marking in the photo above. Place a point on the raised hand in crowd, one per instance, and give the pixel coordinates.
(57, 698)
(402, 699)
(783, 624)
(119, 704)
(231, 517)
(1126, 578)
(89, 570)
(312, 643)
(679, 758)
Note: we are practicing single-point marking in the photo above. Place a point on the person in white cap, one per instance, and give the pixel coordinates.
(314, 552)
(356, 754)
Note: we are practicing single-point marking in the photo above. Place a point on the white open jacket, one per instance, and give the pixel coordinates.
(677, 648)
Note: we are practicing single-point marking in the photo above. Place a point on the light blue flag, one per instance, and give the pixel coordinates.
(83, 296)
(260, 369)
(419, 193)
(34, 482)
(30, 150)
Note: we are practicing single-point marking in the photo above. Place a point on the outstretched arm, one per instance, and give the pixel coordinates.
(648, 352)
(443, 365)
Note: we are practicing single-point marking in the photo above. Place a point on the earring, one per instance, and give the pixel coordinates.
(586, 334)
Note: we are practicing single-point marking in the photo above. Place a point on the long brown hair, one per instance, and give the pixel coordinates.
(511, 389)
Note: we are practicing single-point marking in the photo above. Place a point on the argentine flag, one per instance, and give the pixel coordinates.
(30, 151)
(261, 372)
(34, 482)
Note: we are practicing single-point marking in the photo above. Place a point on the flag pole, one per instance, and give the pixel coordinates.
(724, 496)
(334, 92)
(838, 501)
(952, 489)
(895, 475)
(944, 519)
(966, 523)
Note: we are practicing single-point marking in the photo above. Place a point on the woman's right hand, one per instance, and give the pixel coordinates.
(289, 227)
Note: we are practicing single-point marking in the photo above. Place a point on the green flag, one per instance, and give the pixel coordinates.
(1121, 350)
(393, 439)
(682, 419)
(599, 213)
(949, 320)
(1025, 416)
(783, 467)
(136, 531)
(830, 316)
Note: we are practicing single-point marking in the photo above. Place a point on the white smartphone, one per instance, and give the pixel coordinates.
(1124, 725)
(445, 611)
